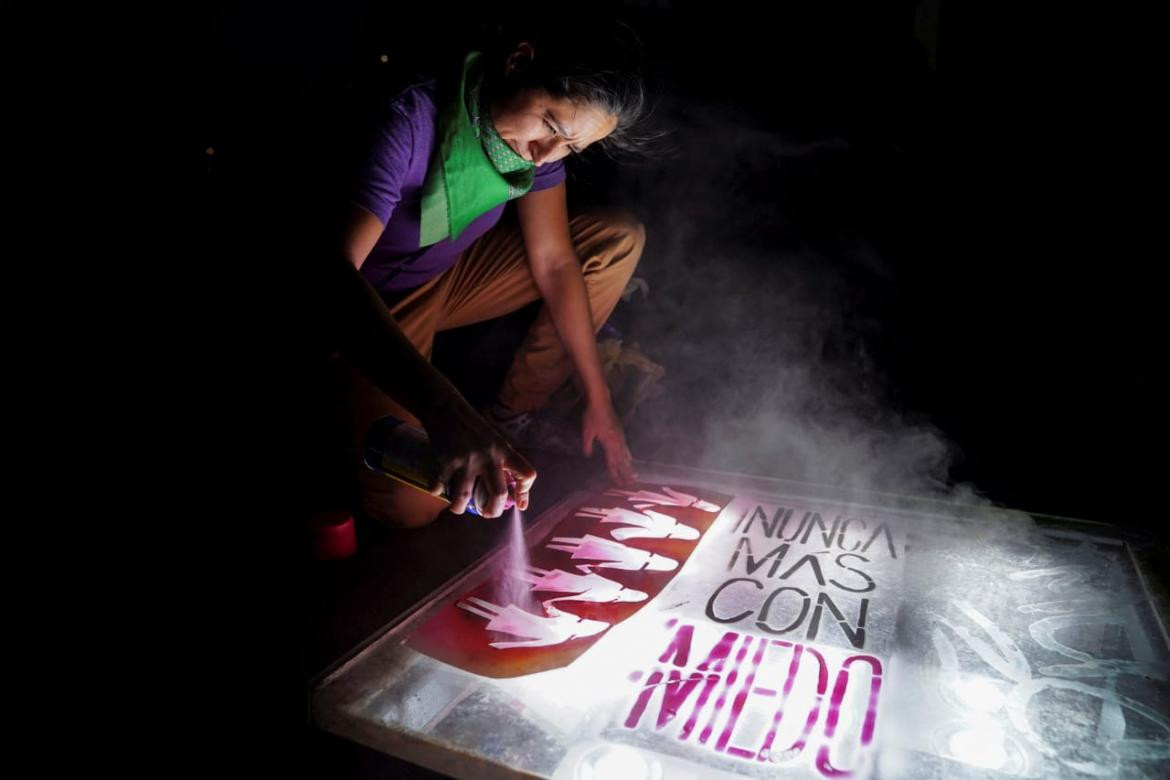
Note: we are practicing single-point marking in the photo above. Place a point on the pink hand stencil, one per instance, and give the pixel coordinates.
(615, 554)
(583, 587)
(671, 497)
(650, 524)
(537, 630)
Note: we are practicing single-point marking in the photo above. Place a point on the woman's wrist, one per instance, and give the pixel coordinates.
(598, 395)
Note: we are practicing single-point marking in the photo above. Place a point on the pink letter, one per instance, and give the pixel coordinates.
(875, 685)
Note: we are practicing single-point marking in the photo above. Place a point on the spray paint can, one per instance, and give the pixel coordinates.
(403, 452)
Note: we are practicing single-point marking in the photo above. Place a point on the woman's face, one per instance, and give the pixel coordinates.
(543, 129)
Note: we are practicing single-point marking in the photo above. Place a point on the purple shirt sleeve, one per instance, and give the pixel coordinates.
(548, 176)
(379, 188)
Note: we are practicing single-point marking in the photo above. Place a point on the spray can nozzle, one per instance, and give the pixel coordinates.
(480, 497)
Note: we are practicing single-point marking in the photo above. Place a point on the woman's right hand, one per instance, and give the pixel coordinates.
(468, 448)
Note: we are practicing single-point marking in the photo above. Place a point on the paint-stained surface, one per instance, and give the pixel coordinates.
(605, 559)
(695, 628)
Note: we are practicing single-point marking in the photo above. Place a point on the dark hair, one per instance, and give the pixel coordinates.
(598, 62)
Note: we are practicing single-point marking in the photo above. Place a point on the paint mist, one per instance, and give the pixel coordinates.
(513, 589)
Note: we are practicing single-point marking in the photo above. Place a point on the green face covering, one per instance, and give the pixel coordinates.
(472, 169)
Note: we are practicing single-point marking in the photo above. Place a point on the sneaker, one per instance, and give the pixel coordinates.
(540, 430)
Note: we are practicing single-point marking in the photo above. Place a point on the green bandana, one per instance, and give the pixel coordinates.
(472, 169)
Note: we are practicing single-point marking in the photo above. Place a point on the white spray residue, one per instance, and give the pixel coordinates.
(511, 589)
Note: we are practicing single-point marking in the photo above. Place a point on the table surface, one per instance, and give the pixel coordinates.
(395, 571)
(348, 602)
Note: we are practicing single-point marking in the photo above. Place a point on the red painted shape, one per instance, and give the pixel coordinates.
(457, 637)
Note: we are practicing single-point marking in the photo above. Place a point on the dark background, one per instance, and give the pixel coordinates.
(977, 197)
(950, 209)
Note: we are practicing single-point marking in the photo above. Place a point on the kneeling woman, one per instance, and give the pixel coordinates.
(423, 233)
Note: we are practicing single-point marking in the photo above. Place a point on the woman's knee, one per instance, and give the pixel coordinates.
(623, 234)
(396, 505)
(630, 231)
(629, 225)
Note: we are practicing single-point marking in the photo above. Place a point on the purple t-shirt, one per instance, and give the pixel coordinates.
(390, 185)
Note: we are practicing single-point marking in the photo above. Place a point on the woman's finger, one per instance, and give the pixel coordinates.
(464, 482)
(619, 461)
(629, 475)
(497, 491)
(621, 470)
(524, 475)
(439, 485)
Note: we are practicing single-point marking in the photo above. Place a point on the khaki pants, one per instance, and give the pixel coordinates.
(490, 279)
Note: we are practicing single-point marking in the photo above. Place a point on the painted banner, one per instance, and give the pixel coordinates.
(602, 562)
(675, 630)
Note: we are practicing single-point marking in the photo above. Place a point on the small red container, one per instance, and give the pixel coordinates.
(332, 536)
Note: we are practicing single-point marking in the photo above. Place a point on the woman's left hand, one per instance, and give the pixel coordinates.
(600, 423)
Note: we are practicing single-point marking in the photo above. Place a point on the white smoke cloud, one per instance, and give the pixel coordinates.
(768, 369)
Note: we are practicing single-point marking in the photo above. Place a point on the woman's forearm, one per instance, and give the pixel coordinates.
(563, 289)
(369, 337)
(466, 447)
